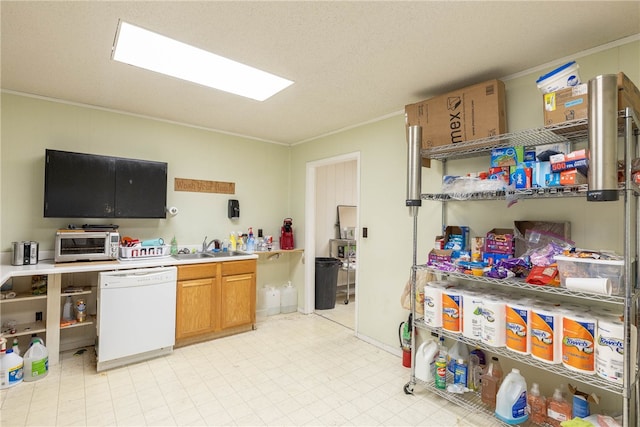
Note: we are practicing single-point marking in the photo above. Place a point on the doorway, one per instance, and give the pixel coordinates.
(331, 183)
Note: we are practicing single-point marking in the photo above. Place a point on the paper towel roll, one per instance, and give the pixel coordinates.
(594, 285)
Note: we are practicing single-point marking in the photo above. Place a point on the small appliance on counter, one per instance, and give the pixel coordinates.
(24, 253)
(89, 243)
(286, 234)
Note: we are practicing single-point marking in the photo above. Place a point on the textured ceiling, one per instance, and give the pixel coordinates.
(352, 62)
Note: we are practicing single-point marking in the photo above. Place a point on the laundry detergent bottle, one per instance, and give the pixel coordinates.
(511, 400)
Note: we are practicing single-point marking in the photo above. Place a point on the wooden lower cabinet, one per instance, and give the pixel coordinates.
(215, 299)
(238, 294)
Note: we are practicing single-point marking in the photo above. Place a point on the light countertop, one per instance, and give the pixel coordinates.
(47, 266)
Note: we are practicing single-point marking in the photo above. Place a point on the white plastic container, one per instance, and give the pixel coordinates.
(571, 267)
(511, 400)
(288, 298)
(425, 359)
(562, 77)
(272, 300)
(36, 361)
(458, 350)
(11, 369)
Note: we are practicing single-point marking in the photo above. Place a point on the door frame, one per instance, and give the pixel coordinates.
(310, 227)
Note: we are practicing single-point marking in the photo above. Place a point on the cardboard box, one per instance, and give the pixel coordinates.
(521, 176)
(572, 103)
(561, 229)
(538, 174)
(572, 177)
(565, 105)
(439, 255)
(459, 231)
(628, 94)
(499, 240)
(466, 114)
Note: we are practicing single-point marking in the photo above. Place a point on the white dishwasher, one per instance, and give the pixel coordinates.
(136, 315)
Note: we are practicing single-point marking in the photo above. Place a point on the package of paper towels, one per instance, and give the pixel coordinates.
(594, 285)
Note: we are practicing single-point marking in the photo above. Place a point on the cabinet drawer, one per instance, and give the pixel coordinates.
(238, 267)
(197, 271)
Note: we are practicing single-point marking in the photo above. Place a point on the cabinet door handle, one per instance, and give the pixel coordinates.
(238, 278)
(192, 283)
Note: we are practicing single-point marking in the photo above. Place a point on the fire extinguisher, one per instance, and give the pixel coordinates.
(404, 335)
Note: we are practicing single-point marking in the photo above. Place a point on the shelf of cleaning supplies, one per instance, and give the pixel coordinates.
(471, 401)
(559, 369)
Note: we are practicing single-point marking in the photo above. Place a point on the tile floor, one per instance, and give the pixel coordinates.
(294, 370)
(343, 314)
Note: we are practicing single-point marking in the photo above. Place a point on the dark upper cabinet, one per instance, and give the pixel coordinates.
(81, 185)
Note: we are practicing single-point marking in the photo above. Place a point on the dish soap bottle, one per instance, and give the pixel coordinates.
(558, 410)
(174, 246)
(536, 405)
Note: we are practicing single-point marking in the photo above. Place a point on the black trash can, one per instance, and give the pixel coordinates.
(326, 282)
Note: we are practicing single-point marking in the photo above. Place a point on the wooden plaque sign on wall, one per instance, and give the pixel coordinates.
(201, 186)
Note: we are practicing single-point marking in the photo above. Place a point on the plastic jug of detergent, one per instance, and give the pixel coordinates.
(11, 369)
(36, 360)
(425, 360)
(511, 400)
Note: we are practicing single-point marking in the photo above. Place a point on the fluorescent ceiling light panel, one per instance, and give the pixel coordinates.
(154, 52)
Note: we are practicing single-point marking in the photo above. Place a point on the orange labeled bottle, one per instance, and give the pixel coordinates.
(537, 405)
(558, 409)
(490, 382)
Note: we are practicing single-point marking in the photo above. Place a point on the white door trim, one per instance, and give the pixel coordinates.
(310, 226)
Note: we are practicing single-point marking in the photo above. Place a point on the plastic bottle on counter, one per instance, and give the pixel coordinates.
(232, 241)
(251, 241)
(174, 246)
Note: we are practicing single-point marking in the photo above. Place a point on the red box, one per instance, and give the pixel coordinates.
(572, 177)
(500, 241)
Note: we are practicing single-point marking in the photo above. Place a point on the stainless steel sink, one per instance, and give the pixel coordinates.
(227, 254)
(197, 255)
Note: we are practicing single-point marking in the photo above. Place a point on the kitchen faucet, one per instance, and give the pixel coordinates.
(205, 245)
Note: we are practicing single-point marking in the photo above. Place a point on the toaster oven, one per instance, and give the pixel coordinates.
(89, 245)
